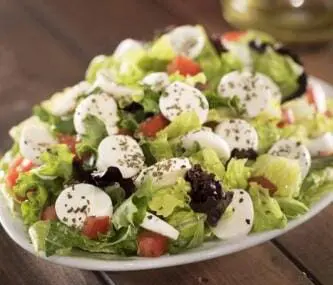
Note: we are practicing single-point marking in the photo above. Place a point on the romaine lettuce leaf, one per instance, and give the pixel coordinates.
(267, 212)
(209, 161)
(191, 226)
(317, 125)
(160, 147)
(90, 141)
(268, 133)
(166, 200)
(98, 63)
(199, 78)
(292, 208)
(230, 62)
(57, 161)
(317, 184)
(237, 174)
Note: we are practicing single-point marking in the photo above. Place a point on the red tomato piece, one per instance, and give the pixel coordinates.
(151, 244)
(18, 166)
(184, 65)
(264, 182)
(49, 214)
(95, 225)
(233, 36)
(69, 140)
(152, 125)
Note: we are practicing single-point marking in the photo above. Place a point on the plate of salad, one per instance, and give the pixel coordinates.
(180, 149)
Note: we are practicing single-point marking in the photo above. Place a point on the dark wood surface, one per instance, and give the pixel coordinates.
(46, 45)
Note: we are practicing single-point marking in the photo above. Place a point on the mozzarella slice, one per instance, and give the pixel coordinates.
(294, 150)
(105, 81)
(64, 102)
(101, 106)
(180, 97)
(207, 139)
(254, 90)
(79, 201)
(165, 172)
(157, 225)
(240, 221)
(239, 134)
(187, 40)
(34, 140)
(157, 81)
(125, 46)
(321, 145)
(122, 152)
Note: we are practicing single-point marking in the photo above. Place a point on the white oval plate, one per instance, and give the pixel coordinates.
(17, 231)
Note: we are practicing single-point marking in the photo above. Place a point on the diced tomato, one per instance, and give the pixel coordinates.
(95, 225)
(152, 125)
(264, 182)
(49, 214)
(69, 140)
(233, 36)
(184, 65)
(18, 166)
(123, 131)
(318, 99)
(151, 244)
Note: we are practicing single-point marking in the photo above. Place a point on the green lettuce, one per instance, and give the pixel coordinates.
(267, 212)
(317, 184)
(294, 131)
(199, 78)
(184, 123)
(230, 62)
(57, 161)
(284, 173)
(279, 68)
(237, 174)
(150, 101)
(96, 64)
(268, 133)
(63, 125)
(317, 125)
(90, 141)
(160, 147)
(292, 208)
(166, 200)
(209, 161)
(191, 227)
(232, 103)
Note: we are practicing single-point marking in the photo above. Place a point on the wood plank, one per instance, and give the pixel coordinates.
(20, 267)
(260, 265)
(33, 65)
(310, 245)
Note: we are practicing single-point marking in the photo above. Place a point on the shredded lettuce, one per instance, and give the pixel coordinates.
(237, 174)
(57, 161)
(284, 173)
(209, 161)
(168, 199)
(90, 141)
(191, 226)
(267, 212)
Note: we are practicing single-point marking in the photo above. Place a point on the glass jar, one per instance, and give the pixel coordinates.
(291, 21)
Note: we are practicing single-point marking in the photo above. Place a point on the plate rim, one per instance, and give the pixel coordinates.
(17, 232)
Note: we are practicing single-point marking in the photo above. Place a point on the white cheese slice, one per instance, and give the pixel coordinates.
(321, 145)
(157, 81)
(127, 45)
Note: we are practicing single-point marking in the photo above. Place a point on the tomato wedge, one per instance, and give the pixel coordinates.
(151, 244)
(233, 36)
(153, 125)
(49, 214)
(264, 182)
(18, 166)
(95, 225)
(69, 140)
(185, 66)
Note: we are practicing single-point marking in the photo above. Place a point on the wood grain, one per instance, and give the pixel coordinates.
(261, 265)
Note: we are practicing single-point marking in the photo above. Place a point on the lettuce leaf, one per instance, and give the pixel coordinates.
(317, 184)
(230, 62)
(184, 123)
(160, 147)
(199, 78)
(209, 161)
(232, 103)
(268, 133)
(166, 200)
(98, 63)
(267, 212)
(292, 208)
(57, 161)
(283, 172)
(57, 124)
(237, 174)
(317, 125)
(191, 226)
(90, 141)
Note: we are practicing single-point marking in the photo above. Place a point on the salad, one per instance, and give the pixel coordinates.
(170, 143)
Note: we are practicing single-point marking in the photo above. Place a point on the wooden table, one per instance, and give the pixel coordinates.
(46, 45)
